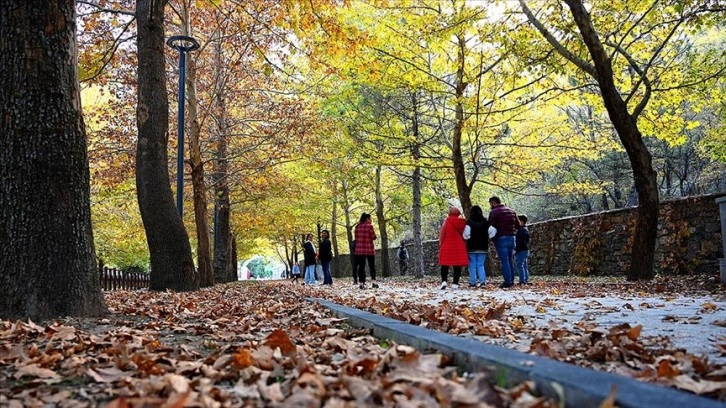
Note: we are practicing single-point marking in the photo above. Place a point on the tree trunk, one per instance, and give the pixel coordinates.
(382, 227)
(457, 157)
(220, 178)
(346, 212)
(231, 274)
(418, 258)
(334, 232)
(204, 260)
(172, 266)
(47, 260)
(643, 250)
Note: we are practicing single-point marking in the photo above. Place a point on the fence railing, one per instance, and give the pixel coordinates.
(114, 279)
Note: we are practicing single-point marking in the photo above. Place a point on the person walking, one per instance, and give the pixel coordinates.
(326, 256)
(295, 272)
(402, 256)
(452, 248)
(365, 250)
(504, 219)
(309, 256)
(476, 234)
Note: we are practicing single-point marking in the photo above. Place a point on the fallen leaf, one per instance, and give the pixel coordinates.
(32, 370)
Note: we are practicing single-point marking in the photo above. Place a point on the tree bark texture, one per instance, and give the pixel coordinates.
(47, 261)
(204, 259)
(222, 231)
(172, 266)
(418, 261)
(643, 249)
(335, 272)
(382, 226)
(462, 186)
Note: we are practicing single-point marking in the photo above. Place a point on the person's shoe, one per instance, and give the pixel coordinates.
(362, 286)
(478, 285)
(455, 286)
(522, 283)
(473, 286)
(374, 285)
(443, 285)
(506, 285)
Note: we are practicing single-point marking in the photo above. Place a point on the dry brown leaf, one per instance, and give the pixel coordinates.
(685, 382)
(105, 375)
(32, 370)
(280, 339)
(609, 402)
(243, 358)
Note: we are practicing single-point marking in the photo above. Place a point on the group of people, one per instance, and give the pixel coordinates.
(310, 258)
(465, 242)
(462, 242)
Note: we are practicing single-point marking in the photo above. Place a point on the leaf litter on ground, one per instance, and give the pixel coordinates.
(227, 346)
(620, 349)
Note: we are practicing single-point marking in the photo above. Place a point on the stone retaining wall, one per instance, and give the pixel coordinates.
(689, 241)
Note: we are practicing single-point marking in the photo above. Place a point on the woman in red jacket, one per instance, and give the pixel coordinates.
(452, 247)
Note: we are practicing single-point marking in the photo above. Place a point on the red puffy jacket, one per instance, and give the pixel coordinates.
(452, 247)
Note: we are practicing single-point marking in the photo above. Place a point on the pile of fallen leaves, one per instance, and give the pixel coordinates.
(231, 345)
(619, 349)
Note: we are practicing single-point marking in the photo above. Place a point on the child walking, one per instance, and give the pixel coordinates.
(521, 250)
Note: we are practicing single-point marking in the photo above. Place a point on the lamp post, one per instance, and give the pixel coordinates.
(183, 44)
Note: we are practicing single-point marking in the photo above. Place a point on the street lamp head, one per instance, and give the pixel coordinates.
(182, 43)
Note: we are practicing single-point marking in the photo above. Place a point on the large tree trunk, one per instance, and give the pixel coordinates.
(646, 184)
(204, 260)
(457, 157)
(47, 261)
(172, 266)
(418, 258)
(222, 230)
(382, 225)
(231, 272)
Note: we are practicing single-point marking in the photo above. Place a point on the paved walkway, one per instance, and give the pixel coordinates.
(694, 323)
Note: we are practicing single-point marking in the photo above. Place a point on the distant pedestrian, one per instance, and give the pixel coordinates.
(521, 250)
(476, 234)
(504, 219)
(402, 256)
(365, 250)
(326, 256)
(295, 272)
(309, 256)
(452, 248)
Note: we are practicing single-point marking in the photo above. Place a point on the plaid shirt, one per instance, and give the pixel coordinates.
(364, 236)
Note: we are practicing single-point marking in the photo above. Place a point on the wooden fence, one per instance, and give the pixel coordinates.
(114, 279)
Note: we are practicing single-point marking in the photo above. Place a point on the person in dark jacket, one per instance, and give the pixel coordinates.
(476, 234)
(325, 256)
(309, 256)
(521, 250)
(504, 219)
(353, 262)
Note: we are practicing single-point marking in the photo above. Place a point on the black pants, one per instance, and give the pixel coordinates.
(361, 261)
(402, 266)
(445, 274)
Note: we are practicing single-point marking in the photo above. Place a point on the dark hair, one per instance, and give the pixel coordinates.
(325, 231)
(476, 214)
(309, 236)
(495, 200)
(522, 218)
(364, 217)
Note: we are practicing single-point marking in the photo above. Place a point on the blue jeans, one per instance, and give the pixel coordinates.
(523, 266)
(505, 250)
(310, 275)
(327, 279)
(476, 268)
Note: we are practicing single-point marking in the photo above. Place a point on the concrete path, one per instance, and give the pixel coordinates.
(694, 323)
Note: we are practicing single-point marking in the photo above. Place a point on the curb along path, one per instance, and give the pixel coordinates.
(576, 386)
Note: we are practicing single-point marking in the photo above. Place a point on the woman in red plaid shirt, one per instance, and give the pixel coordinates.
(365, 249)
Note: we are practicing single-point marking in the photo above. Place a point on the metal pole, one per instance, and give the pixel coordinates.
(180, 128)
(183, 44)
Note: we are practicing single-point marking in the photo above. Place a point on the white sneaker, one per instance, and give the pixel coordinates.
(443, 286)
(454, 286)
